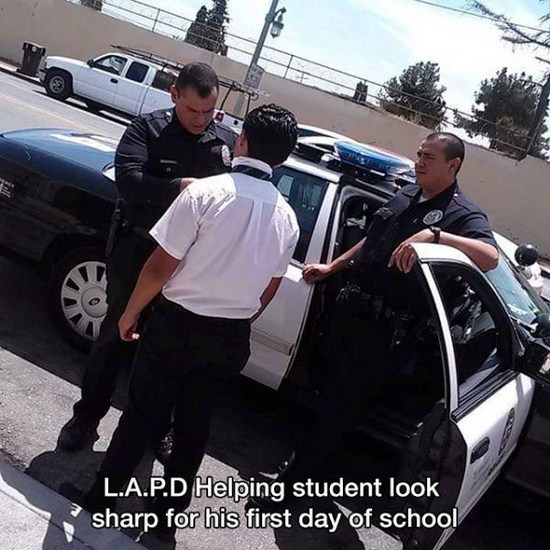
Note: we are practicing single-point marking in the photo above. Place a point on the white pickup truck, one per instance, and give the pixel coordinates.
(120, 82)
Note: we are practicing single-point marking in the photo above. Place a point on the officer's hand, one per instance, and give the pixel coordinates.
(404, 257)
(127, 327)
(312, 273)
(184, 182)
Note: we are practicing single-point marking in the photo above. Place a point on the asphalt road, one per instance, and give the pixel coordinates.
(251, 430)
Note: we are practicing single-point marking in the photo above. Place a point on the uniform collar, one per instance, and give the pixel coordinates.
(252, 163)
(208, 135)
(442, 198)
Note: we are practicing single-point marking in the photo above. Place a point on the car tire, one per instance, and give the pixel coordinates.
(58, 84)
(77, 295)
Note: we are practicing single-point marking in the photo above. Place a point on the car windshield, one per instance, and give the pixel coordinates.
(521, 300)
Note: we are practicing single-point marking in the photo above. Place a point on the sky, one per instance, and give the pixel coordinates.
(378, 39)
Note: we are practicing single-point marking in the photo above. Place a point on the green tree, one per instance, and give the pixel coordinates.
(94, 4)
(415, 95)
(504, 109)
(208, 29)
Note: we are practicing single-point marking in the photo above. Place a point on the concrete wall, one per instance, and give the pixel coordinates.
(516, 195)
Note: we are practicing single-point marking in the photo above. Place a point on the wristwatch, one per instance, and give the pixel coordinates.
(437, 233)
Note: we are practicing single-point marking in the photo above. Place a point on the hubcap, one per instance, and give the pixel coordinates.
(84, 298)
(57, 84)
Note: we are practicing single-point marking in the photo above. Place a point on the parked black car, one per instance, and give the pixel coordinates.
(57, 196)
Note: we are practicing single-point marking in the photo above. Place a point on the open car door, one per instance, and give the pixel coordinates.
(471, 433)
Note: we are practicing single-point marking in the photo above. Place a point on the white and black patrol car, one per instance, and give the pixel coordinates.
(470, 400)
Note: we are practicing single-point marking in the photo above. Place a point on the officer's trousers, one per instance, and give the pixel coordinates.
(109, 353)
(363, 362)
(182, 364)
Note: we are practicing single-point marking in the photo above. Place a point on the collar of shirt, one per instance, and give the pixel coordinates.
(252, 163)
(209, 133)
(440, 200)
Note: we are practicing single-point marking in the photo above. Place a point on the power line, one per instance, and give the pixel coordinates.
(474, 14)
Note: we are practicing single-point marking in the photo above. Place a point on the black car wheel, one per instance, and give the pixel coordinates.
(77, 295)
(58, 84)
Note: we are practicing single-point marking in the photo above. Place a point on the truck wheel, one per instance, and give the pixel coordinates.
(77, 295)
(58, 84)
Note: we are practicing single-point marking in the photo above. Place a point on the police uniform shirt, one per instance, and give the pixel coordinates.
(155, 152)
(233, 233)
(404, 215)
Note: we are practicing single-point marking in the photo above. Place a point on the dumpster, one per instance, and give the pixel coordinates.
(32, 55)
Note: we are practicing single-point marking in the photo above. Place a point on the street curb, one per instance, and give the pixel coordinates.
(12, 70)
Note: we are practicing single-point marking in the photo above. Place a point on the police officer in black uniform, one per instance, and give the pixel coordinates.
(374, 312)
(155, 159)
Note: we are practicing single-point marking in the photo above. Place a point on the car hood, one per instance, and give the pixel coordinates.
(86, 149)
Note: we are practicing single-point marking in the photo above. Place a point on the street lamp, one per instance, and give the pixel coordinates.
(274, 24)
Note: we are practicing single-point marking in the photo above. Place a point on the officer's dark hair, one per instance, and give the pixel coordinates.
(271, 132)
(200, 76)
(453, 146)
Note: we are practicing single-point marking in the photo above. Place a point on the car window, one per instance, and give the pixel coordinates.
(305, 194)
(111, 63)
(479, 333)
(521, 300)
(137, 72)
(163, 80)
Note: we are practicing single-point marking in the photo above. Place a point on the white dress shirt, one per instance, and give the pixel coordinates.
(233, 233)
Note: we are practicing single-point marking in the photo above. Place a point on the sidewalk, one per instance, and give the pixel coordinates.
(8, 68)
(35, 517)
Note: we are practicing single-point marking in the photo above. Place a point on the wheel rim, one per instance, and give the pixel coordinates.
(57, 84)
(84, 298)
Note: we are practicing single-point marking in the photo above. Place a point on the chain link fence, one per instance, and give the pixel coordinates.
(505, 138)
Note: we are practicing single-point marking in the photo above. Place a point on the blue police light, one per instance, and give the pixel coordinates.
(375, 161)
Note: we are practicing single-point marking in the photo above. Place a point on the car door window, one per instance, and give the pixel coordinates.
(137, 72)
(305, 194)
(111, 63)
(480, 335)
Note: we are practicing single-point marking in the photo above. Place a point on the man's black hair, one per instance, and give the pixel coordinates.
(453, 146)
(199, 76)
(271, 132)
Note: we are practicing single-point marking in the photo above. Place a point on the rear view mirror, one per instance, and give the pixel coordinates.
(90, 63)
(526, 255)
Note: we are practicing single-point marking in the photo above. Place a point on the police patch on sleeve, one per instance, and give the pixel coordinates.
(432, 217)
(226, 155)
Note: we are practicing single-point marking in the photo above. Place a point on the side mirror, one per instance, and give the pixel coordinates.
(542, 323)
(90, 63)
(526, 255)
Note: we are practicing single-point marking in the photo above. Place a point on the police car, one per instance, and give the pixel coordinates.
(470, 393)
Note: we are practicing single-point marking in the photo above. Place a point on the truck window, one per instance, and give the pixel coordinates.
(111, 63)
(305, 194)
(163, 80)
(137, 71)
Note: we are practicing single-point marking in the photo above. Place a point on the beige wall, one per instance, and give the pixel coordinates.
(516, 195)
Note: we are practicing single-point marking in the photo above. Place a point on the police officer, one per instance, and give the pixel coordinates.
(154, 159)
(373, 313)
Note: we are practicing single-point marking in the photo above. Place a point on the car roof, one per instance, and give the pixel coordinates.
(93, 151)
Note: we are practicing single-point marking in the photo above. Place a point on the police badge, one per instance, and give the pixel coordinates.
(432, 217)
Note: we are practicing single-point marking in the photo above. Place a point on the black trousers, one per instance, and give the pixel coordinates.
(363, 362)
(183, 363)
(109, 353)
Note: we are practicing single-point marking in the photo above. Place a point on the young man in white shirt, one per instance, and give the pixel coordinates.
(223, 248)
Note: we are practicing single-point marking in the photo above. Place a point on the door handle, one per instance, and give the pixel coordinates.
(480, 449)
(114, 80)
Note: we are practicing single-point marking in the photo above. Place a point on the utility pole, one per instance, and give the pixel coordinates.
(540, 113)
(254, 73)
